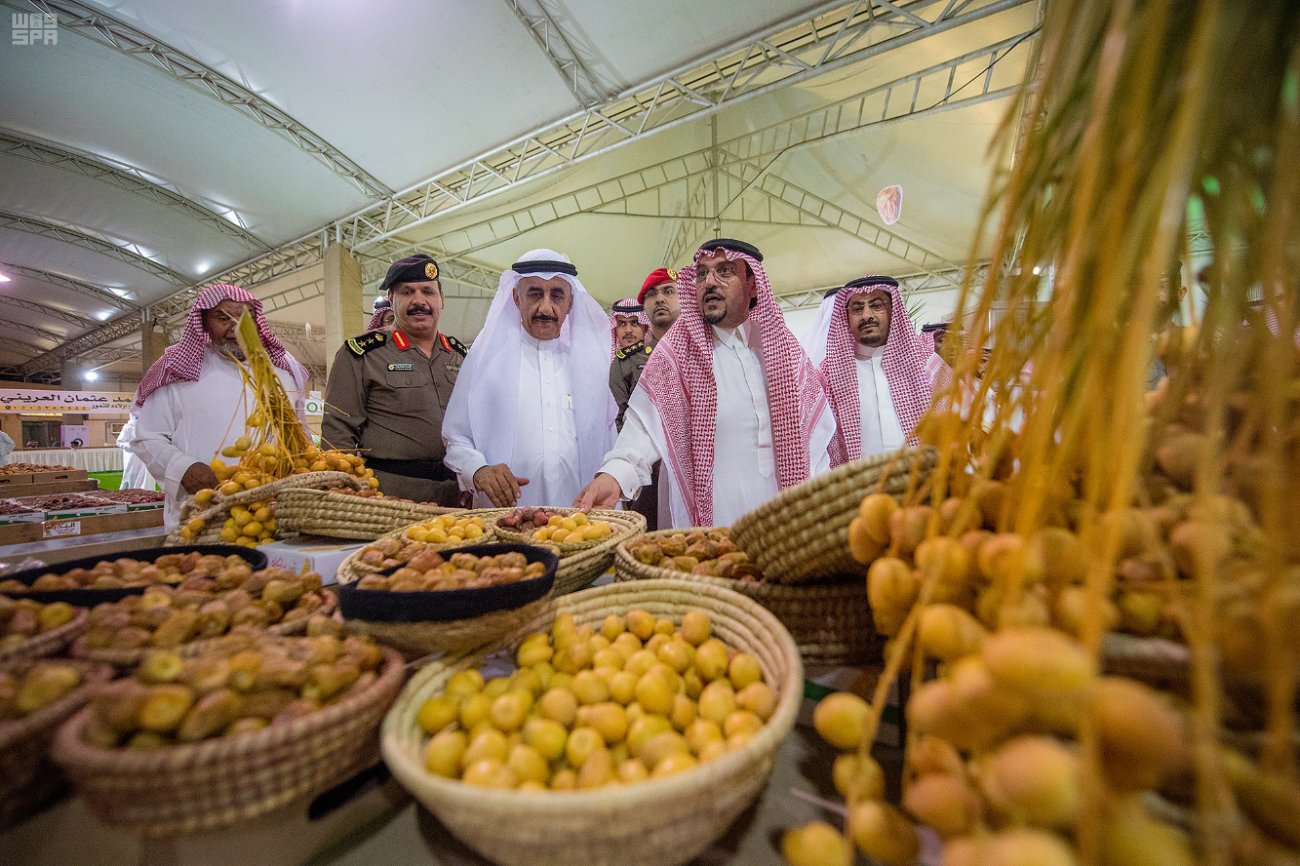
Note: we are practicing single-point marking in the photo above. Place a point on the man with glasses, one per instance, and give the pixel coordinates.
(193, 402)
(875, 369)
(728, 400)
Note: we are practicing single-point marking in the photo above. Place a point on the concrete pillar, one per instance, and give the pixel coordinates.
(153, 340)
(344, 308)
(12, 423)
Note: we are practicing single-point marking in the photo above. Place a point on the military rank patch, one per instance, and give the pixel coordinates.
(400, 368)
(360, 345)
(634, 349)
(455, 345)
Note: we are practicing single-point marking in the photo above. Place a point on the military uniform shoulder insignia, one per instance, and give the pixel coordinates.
(455, 345)
(634, 349)
(370, 340)
(649, 349)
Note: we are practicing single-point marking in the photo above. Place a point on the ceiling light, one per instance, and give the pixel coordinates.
(3, 278)
(104, 315)
(1037, 270)
(203, 267)
(90, 375)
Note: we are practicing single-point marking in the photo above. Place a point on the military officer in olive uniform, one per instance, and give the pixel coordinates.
(625, 369)
(387, 389)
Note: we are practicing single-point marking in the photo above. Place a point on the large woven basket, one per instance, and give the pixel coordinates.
(49, 643)
(352, 569)
(582, 562)
(661, 822)
(27, 779)
(214, 784)
(337, 515)
(802, 534)
(214, 514)
(829, 621)
(129, 658)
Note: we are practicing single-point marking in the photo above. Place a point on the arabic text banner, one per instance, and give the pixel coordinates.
(85, 402)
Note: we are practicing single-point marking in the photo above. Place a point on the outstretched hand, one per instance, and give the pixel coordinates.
(499, 484)
(602, 492)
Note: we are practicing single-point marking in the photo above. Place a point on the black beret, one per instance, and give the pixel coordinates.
(627, 308)
(544, 266)
(419, 268)
(733, 245)
(872, 280)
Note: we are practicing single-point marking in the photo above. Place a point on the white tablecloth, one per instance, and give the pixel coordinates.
(90, 459)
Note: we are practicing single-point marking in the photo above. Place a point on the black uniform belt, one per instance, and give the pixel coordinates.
(433, 470)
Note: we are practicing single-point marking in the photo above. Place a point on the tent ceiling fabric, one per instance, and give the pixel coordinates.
(157, 145)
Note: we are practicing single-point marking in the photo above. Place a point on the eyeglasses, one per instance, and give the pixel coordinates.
(875, 305)
(724, 271)
(223, 317)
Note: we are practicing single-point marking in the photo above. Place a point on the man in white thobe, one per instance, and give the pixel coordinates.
(729, 401)
(875, 369)
(531, 414)
(193, 402)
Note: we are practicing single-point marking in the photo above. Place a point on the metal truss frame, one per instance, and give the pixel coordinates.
(79, 322)
(558, 44)
(910, 285)
(99, 293)
(100, 27)
(644, 191)
(127, 178)
(835, 35)
(127, 252)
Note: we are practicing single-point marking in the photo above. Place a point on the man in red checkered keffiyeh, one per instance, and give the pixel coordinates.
(875, 369)
(729, 400)
(193, 401)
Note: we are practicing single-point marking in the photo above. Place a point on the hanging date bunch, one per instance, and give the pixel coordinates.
(273, 447)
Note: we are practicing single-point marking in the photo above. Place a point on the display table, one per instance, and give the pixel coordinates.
(105, 544)
(89, 459)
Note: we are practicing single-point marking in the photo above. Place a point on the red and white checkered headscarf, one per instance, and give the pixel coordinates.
(904, 362)
(678, 379)
(183, 362)
(614, 313)
(382, 307)
(927, 343)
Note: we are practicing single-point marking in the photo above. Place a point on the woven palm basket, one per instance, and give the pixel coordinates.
(27, 778)
(338, 515)
(584, 561)
(829, 621)
(129, 658)
(802, 533)
(194, 788)
(660, 822)
(48, 643)
(214, 514)
(352, 569)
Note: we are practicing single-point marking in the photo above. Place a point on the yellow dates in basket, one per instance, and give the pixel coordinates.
(588, 708)
(446, 529)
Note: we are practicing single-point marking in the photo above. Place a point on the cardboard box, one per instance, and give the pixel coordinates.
(18, 533)
(25, 517)
(321, 555)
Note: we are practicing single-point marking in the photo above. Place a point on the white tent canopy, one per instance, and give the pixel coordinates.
(155, 146)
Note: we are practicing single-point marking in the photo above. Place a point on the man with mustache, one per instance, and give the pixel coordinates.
(875, 369)
(728, 400)
(659, 309)
(532, 415)
(192, 402)
(388, 389)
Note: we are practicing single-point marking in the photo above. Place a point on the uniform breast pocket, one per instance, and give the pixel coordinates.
(407, 379)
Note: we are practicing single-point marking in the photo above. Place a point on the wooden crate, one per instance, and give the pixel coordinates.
(84, 485)
(18, 479)
(17, 533)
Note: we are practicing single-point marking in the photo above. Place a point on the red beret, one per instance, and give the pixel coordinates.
(657, 277)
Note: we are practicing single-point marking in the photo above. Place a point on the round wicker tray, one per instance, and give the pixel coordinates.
(802, 534)
(49, 643)
(214, 784)
(661, 822)
(352, 569)
(829, 621)
(215, 512)
(129, 658)
(27, 779)
(584, 561)
(338, 515)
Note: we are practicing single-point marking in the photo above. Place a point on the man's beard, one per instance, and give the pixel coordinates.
(234, 350)
(713, 318)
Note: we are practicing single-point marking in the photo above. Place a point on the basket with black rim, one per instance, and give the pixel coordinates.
(357, 564)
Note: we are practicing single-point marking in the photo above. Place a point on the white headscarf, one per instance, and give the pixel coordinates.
(484, 404)
(813, 340)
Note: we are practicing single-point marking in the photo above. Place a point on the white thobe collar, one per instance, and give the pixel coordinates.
(867, 353)
(732, 338)
(541, 345)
